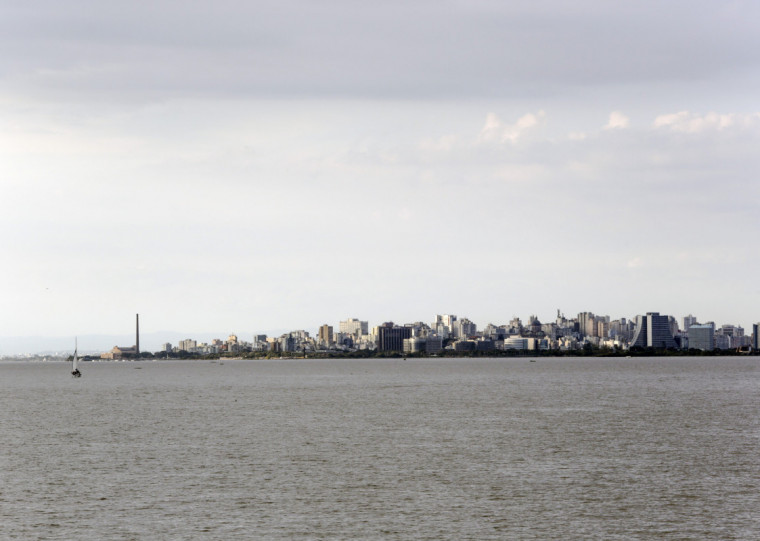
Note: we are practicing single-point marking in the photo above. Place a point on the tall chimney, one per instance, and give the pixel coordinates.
(137, 345)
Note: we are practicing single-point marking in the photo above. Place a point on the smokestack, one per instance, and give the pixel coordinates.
(137, 330)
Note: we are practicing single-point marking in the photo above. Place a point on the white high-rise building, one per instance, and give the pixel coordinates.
(688, 321)
(354, 327)
(187, 345)
(444, 325)
(464, 328)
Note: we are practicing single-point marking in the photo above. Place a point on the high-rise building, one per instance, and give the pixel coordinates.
(653, 331)
(464, 328)
(419, 329)
(587, 324)
(621, 329)
(444, 325)
(187, 345)
(326, 334)
(702, 337)
(688, 321)
(730, 336)
(354, 326)
(260, 342)
(673, 324)
(722, 341)
(391, 337)
(603, 328)
(755, 338)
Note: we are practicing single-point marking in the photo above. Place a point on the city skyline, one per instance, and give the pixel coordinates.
(154, 339)
(258, 164)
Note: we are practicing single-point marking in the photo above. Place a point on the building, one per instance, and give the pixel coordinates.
(464, 328)
(755, 329)
(414, 345)
(187, 345)
(354, 326)
(516, 342)
(126, 352)
(295, 341)
(419, 329)
(673, 324)
(588, 324)
(463, 345)
(603, 327)
(260, 342)
(444, 325)
(326, 334)
(688, 321)
(653, 331)
(734, 337)
(701, 337)
(621, 329)
(391, 337)
(433, 345)
(120, 353)
(721, 341)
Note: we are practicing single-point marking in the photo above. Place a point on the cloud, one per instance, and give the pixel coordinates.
(577, 136)
(687, 122)
(617, 121)
(495, 130)
(444, 143)
(127, 52)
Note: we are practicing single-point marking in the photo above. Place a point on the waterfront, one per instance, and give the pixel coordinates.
(663, 448)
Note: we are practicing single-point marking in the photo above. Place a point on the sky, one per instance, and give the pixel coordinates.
(244, 166)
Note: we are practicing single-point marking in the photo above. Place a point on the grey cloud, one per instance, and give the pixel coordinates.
(396, 49)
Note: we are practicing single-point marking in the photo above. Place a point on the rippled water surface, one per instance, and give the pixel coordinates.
(433, 449)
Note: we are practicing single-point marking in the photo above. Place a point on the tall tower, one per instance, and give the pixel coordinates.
(137, 334)
(326, 334)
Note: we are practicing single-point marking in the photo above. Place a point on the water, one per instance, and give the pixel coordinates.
(382, 449)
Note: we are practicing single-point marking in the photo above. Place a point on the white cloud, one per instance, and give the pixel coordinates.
(445, 143)
(496, 130)
(617, 121)
(687, 122)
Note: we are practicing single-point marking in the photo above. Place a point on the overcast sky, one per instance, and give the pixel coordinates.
(245, 166)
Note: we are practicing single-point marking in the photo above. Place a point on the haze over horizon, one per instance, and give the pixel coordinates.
(254, 166)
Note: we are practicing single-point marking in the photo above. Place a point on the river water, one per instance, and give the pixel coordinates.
(382, 449)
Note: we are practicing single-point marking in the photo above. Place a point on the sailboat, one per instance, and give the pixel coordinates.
(75, 373)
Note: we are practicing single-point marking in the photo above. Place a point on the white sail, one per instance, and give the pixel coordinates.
(75, 360)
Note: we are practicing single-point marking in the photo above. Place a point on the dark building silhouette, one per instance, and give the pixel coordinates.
(391, 337)
(653, 331)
